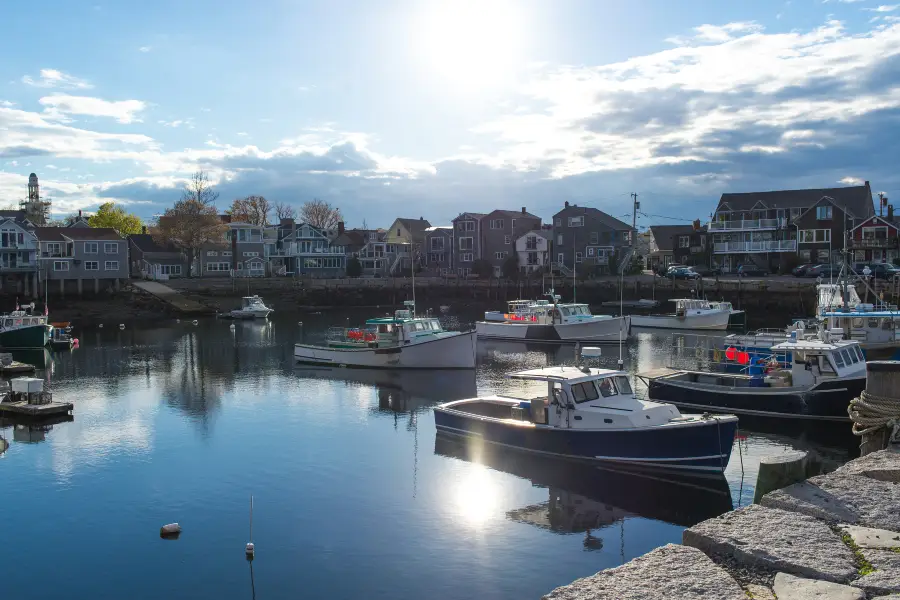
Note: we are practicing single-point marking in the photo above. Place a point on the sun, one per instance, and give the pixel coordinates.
(469, 43)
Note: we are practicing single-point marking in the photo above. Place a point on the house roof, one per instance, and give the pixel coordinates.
(145, 243)
(544, 233)
(512, 213)
(470, 215)
(664, 235)
(351, 237)
(884, 221)
(856, 199)
(17, 215)
(603, 218)
(59, 234)
(415, 226)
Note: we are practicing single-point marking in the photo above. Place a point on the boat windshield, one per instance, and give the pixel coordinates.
(607, 387)
(584, 392)
(624, 385)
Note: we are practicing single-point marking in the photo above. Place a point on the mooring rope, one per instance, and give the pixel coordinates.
(870, 412)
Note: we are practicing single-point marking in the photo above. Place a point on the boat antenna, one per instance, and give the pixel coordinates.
(412, 267)
(621, 312)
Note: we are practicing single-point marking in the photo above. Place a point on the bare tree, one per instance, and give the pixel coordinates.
(285, 211)
(193, 220)
(252, 209)
(365, 225)
(321, 214)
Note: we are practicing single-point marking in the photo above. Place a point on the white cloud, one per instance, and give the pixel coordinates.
(6, 104)
(145, 48)
(851, 181)
(189, 123)
(242, 133)
(884, 8)
(52, 78)
(60, 106)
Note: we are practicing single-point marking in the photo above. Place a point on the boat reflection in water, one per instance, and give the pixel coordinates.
(30, 432)
(403, 390)
(583, 497)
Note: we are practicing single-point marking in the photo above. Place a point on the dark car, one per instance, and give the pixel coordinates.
(682, 273)
(823, 271)
(882, 271)
(801, 270)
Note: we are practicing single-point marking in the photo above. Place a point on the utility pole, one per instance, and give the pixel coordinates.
(635, 206)
(880, 204)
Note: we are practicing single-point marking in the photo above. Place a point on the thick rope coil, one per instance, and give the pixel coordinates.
(870, 412)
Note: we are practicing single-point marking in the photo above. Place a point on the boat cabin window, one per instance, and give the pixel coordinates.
(624, 385)
(799, 357)
(873, 323)
(859, 353)
(436, 325)
(385, 329)
(419, 326)
(583, 392)
(839, 358)
(858, 323)
(853, 355)
(607, 387)
(564, 312)
(825, 365)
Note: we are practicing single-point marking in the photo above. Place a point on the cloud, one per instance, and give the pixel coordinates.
(52, 78)
(145, 48)
(884, 8)
(851, 181)
(60, 106)
(189, 123)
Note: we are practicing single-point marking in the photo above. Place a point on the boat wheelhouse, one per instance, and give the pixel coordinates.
(592, 415)
(22, 329)
(252, 307)
(690, 313)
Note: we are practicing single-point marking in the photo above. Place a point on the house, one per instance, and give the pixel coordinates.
(467, 241)
(407, 231)
(499, 232)
(583, 234)
(875, 239)
(678, 244)
(534, 250)
(438, 251)
(762, 228)
(306, 250)
(79, 256)
(151, 259)
(241, 252)
(18, 253)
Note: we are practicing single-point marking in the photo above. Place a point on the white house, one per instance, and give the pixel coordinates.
(533, 250)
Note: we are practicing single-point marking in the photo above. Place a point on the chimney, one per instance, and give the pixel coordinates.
(523, 210)
(890, 212)
(144, 229)
(340, 228)
(567, 204)
(421, 218)
(867, 183)
(79, 213)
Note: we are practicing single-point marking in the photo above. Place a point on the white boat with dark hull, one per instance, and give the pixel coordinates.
(401, 341)
(690, 313)
(824, 375)
(544, 321)
(252, 307)
(592, 415)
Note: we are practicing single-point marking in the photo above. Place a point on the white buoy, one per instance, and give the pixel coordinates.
(178, 320)
(100, 325)
(195, 322)
(121, 325)
(170, 530)
(250, 549)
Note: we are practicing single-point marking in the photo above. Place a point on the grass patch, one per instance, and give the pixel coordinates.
(863, 567)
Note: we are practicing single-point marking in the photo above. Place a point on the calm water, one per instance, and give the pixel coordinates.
(354, 496)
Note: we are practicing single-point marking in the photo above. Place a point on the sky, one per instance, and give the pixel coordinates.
(430, 108)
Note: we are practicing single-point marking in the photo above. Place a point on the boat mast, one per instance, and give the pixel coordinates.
(412, 267)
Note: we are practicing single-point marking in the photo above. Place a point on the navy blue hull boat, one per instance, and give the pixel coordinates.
(592, 415)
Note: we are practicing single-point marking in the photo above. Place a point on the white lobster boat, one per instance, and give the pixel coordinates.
(690, 313)
(252, 307)
(401, 341)
(543, 321)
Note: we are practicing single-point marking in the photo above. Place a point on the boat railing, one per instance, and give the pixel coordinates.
(714, 354)
(357, 335)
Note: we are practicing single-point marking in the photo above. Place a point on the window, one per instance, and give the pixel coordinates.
(111, 247)
(507, 239)
(91, 265)
(499, 255)
(607, 387)
(466, 257)
(579, 257)
(240, 266)
(684, 241)
(561, 258)
(512, 224)
(398, 232)
(212, 253)
(839, 358)
(822, 256)
(251, 254)
(496, 223)
(590, 251)
(466, 225)
(60, 265)
(576, 221)
(875, 233)
(595, 237)
(795, 212)
(335, 262)
(823, 212)
(435, 257)
(226, 253)
(91, 247)
(466, 243)
(111, 265)
(170, 269)
(557, 222)
(584, 392)
(813, 236)
(437, 243)
(805, 256)
(559, 241)
(624, 385)
(218, 266)
(54, 248)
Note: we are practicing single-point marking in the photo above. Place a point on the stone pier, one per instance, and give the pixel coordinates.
(833, 536)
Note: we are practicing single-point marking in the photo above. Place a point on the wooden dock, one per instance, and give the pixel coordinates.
(16, 367)
(35, 411)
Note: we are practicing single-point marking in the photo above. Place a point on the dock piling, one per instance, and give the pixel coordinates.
(876, 413)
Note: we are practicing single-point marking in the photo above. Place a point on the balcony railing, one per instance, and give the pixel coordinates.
(874, 243)
(762, 246)
(22, 266)
(744, 224)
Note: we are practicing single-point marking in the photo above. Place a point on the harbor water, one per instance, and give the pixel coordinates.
(354, 496)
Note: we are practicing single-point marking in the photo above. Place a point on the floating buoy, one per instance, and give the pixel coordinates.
(178, 320)
(121, 325)
(231, 327)
(300, 323)
(75, 343)
(250, 551)
(172, 530)
(100, 325)
(195, 322)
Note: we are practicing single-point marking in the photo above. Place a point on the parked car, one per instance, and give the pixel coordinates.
(707, 271)
(682, 273)
(882, 271)
(663, 270)
(800, 271)
(823, 271)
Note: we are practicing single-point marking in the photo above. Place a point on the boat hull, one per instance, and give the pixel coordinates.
(32, 336)
(696, 447)
(455, 351)
(717, 320)
(594, 330)
(827, 401)
(250, 314)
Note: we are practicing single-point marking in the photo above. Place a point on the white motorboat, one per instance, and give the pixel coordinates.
(399, 341)
(252, 307)
(690, 313)
(514, 309)
(546, 321)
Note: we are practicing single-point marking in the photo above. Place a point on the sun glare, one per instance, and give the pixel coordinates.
(470, 43)
(476, 497)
